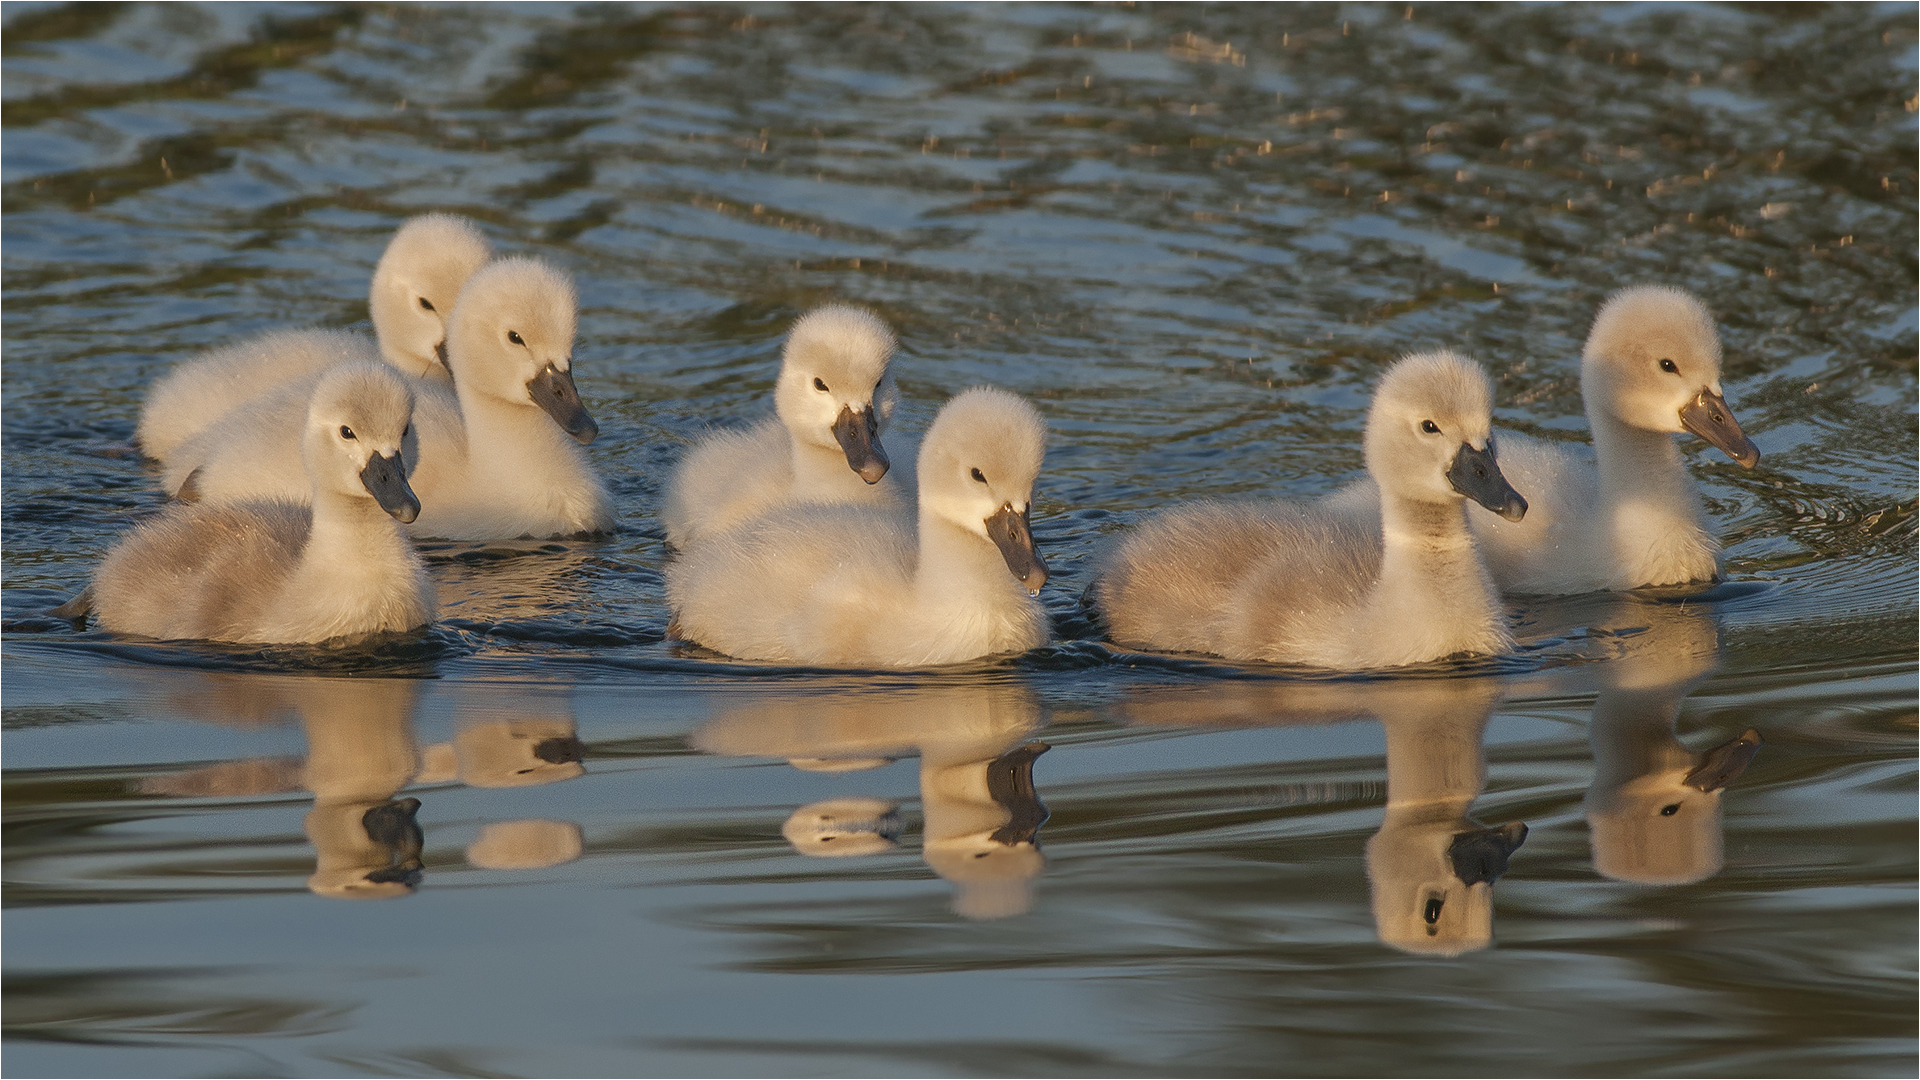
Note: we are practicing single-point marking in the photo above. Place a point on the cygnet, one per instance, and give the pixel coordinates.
(502, 460)
(832, 401)
(1286, 583)
(1629, 514)
(283, 572)
(852, 586)
(414, 287)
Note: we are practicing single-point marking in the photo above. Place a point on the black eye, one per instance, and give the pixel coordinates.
(977, 476)
(1669, 367)
(1429, 427)
(1432, 912)
(820, 386)
(514, 336)
(426, 304)
(1669, 811)
(347, 432)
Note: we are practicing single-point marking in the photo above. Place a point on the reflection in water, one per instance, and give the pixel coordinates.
(1431, 866)
(837, 828)
(361, 753)
(1653, 810)
(982, 814)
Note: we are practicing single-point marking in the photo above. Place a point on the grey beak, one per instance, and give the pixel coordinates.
(1723, 764)
(1481, 855)
(553, 391)
(1707, 416)
(1013, 534)
(1476, 475)
(440, 353)
(386, 481)
(1010, 783)
(859, 436)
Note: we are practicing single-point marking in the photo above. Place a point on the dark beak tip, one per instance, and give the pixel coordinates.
(585, 433)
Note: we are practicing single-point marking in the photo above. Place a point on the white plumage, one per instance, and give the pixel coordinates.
(500, 453)
(1626, 513)
(414, 286)
(281, 572)
(1289, 583)
(851, 586)
(833, 399)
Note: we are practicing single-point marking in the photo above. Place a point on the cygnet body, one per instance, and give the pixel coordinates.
(1628, 515)
(500, 456)
(851, 586)
(414, 287)
(1287, 583)
(833, 399)
(282, 572)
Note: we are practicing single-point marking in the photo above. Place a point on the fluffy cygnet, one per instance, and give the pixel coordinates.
(414, 287)
(833, 399)
(1296, 584)
(1628, 514)
(499, 458)
(282, 572)
(852, 586)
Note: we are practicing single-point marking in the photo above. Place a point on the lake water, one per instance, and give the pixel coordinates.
(1193, 236)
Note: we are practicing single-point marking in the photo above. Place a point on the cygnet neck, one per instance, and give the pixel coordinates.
(956, 562)
(819, 470)
(352, 536)
(497, 428)
(1429, 567)
(1638, 464)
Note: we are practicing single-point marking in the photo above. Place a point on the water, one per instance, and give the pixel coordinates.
(1193, 236)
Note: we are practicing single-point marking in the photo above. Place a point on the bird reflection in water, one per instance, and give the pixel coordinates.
(361, 753)
(1431, 866)
(982, 815)
(1653, 810)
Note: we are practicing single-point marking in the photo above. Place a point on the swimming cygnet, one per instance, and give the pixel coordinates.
(501, 461)
(1280, 582)
(853, 586)
(1628, 514)
(414, 287)
(833, 399)
(282, 572)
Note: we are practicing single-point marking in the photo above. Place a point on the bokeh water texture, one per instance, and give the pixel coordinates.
(1193, 236)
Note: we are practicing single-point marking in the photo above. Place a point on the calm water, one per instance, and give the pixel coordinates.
(1193, 236)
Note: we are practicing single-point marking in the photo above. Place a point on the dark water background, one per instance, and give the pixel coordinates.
(1193, 236)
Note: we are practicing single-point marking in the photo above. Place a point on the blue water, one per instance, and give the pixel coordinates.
(1193, 236)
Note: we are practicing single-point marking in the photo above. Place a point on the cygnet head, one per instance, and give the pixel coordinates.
(1430, 435)
(1652, 362)
(977, 467)
(415, 286)
(360, 442)
(835, 389)
(511, 341)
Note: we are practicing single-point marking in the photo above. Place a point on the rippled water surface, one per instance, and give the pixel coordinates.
(1193, 236)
